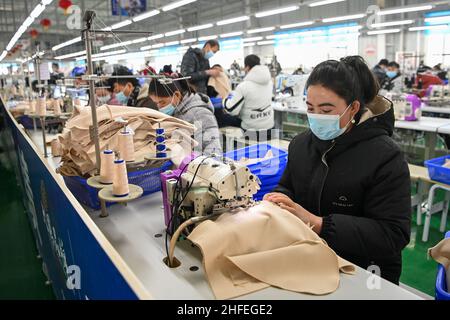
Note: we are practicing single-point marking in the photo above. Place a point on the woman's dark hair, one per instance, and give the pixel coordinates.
(350, 78)
(251, 61)
(160, 87)
(394, 64)
(122, 71)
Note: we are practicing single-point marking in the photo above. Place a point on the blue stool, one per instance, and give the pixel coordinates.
(441, 283)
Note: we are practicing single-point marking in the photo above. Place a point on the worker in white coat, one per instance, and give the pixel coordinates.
(252, 99)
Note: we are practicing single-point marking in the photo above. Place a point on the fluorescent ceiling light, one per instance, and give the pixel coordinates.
(67, 43)
(252, 39)
(46, 2)
(276, 11)
(145, 48)
(191, 40)
(177, 4)
(37, 11)
(425, 28)
(261, 30)
(202, 27)
(392, 23)
(115, 45)
(138, 40)
(324, 2)
(265, 43)
(158, 45)
(171, 43)
(443, 19)
(71, 55)
(404, 10)
(233, 20)
(28, 21)
(104, 54)
(370, 33)
(298, 24)
(343, 18)
(121, 24)
(232, 34)
(175, 32)
(146, 15)
(156, 36)
(207, 38)
(249, 44)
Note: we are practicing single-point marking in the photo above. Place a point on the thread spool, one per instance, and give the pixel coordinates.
(120, 181)
(161, 149)
(41, 107)
(126, 146)
(107, 167)
(32, 106)
(56, 148)
(56, 107)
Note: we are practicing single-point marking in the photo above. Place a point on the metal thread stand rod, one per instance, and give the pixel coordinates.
(38, 76)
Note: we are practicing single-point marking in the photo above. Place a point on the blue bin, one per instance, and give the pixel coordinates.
(441, 283)
(436, 170)
(149, 180)
(268, 171)
(217, 103)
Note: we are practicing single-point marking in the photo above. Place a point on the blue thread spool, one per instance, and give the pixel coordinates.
(160, 143)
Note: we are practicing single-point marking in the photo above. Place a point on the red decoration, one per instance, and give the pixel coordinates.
(46, 23)
(65, 5)
(34, 33)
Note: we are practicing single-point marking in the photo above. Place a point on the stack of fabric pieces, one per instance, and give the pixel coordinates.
(266, 246)
(78, 149)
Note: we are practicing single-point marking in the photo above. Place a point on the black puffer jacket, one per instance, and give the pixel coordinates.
(360, 185)
(194, 65)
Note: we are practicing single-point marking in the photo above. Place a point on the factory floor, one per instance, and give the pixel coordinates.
(21, 270)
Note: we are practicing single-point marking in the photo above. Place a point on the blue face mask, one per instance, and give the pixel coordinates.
(327, 127)
(391, 74)
(169, 110)
(209, 55)
(122, 98)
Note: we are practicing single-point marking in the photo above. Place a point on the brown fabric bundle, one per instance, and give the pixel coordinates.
(221, 84)
(266, 246)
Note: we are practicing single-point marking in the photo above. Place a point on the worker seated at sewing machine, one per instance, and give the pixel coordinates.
(345, 176)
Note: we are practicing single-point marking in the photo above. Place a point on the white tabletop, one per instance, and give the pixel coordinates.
(444, 110)
(426, 124)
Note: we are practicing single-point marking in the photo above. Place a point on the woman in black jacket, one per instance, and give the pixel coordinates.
(346, 176)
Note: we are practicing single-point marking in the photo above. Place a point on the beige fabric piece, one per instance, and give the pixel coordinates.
(441, 254)
(78, 156)
(221, 84)
(266, 246)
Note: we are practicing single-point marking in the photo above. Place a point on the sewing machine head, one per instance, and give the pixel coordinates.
(210, 186)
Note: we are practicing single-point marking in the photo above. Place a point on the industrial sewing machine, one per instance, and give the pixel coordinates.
(438, 95)
(290, 90)
(407, 107)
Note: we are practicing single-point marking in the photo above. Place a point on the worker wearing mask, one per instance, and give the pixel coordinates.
(379, 71)
(177, 99)
(252, 99)
(195, 64)
(346, 176)
(394, 80)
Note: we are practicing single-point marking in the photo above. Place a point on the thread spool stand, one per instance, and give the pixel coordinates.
(95, 183)
(106, 195)
(161, 148)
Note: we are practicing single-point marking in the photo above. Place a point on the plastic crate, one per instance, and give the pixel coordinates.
(436, 170)
(148, 179)
(27, 122)
(441, 292)
(268, 171)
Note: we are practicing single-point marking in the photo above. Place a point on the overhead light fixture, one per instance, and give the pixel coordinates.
(158, 45)
(426, 28)
(37, 11)
(296, 25)
(191, 40)
(265, 43)
(371, 33)
(171, 43)
(343, 18)
(67, 43)
(71, 55)
(252, 39)
(145, 48)
(116, 45)
(121, 24)
(260, 30)
(156, 36)
(104, 54)
(28, 21)
(392, 23)
(276, 11)
(442, 19)
(146, 15)
(404, 10)
(232, 34)
(202, 27)
(139, 40)
(175, 32)
(177, 4)
(233, 20)
(249, 44)
(207, 38)
(324, 2)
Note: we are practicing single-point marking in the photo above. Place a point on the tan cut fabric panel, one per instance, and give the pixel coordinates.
(221, 84)
(441, 254)
(266, 246)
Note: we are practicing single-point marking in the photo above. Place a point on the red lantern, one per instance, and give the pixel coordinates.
(46, 23)
(34, 33)
(65, 5)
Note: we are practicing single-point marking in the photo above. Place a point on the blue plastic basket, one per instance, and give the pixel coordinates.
(436, 170)
(148, 179)
(27, 122)
(268, 171)
(441, 292)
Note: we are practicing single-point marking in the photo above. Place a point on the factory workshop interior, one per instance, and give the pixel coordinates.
(225, 150)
